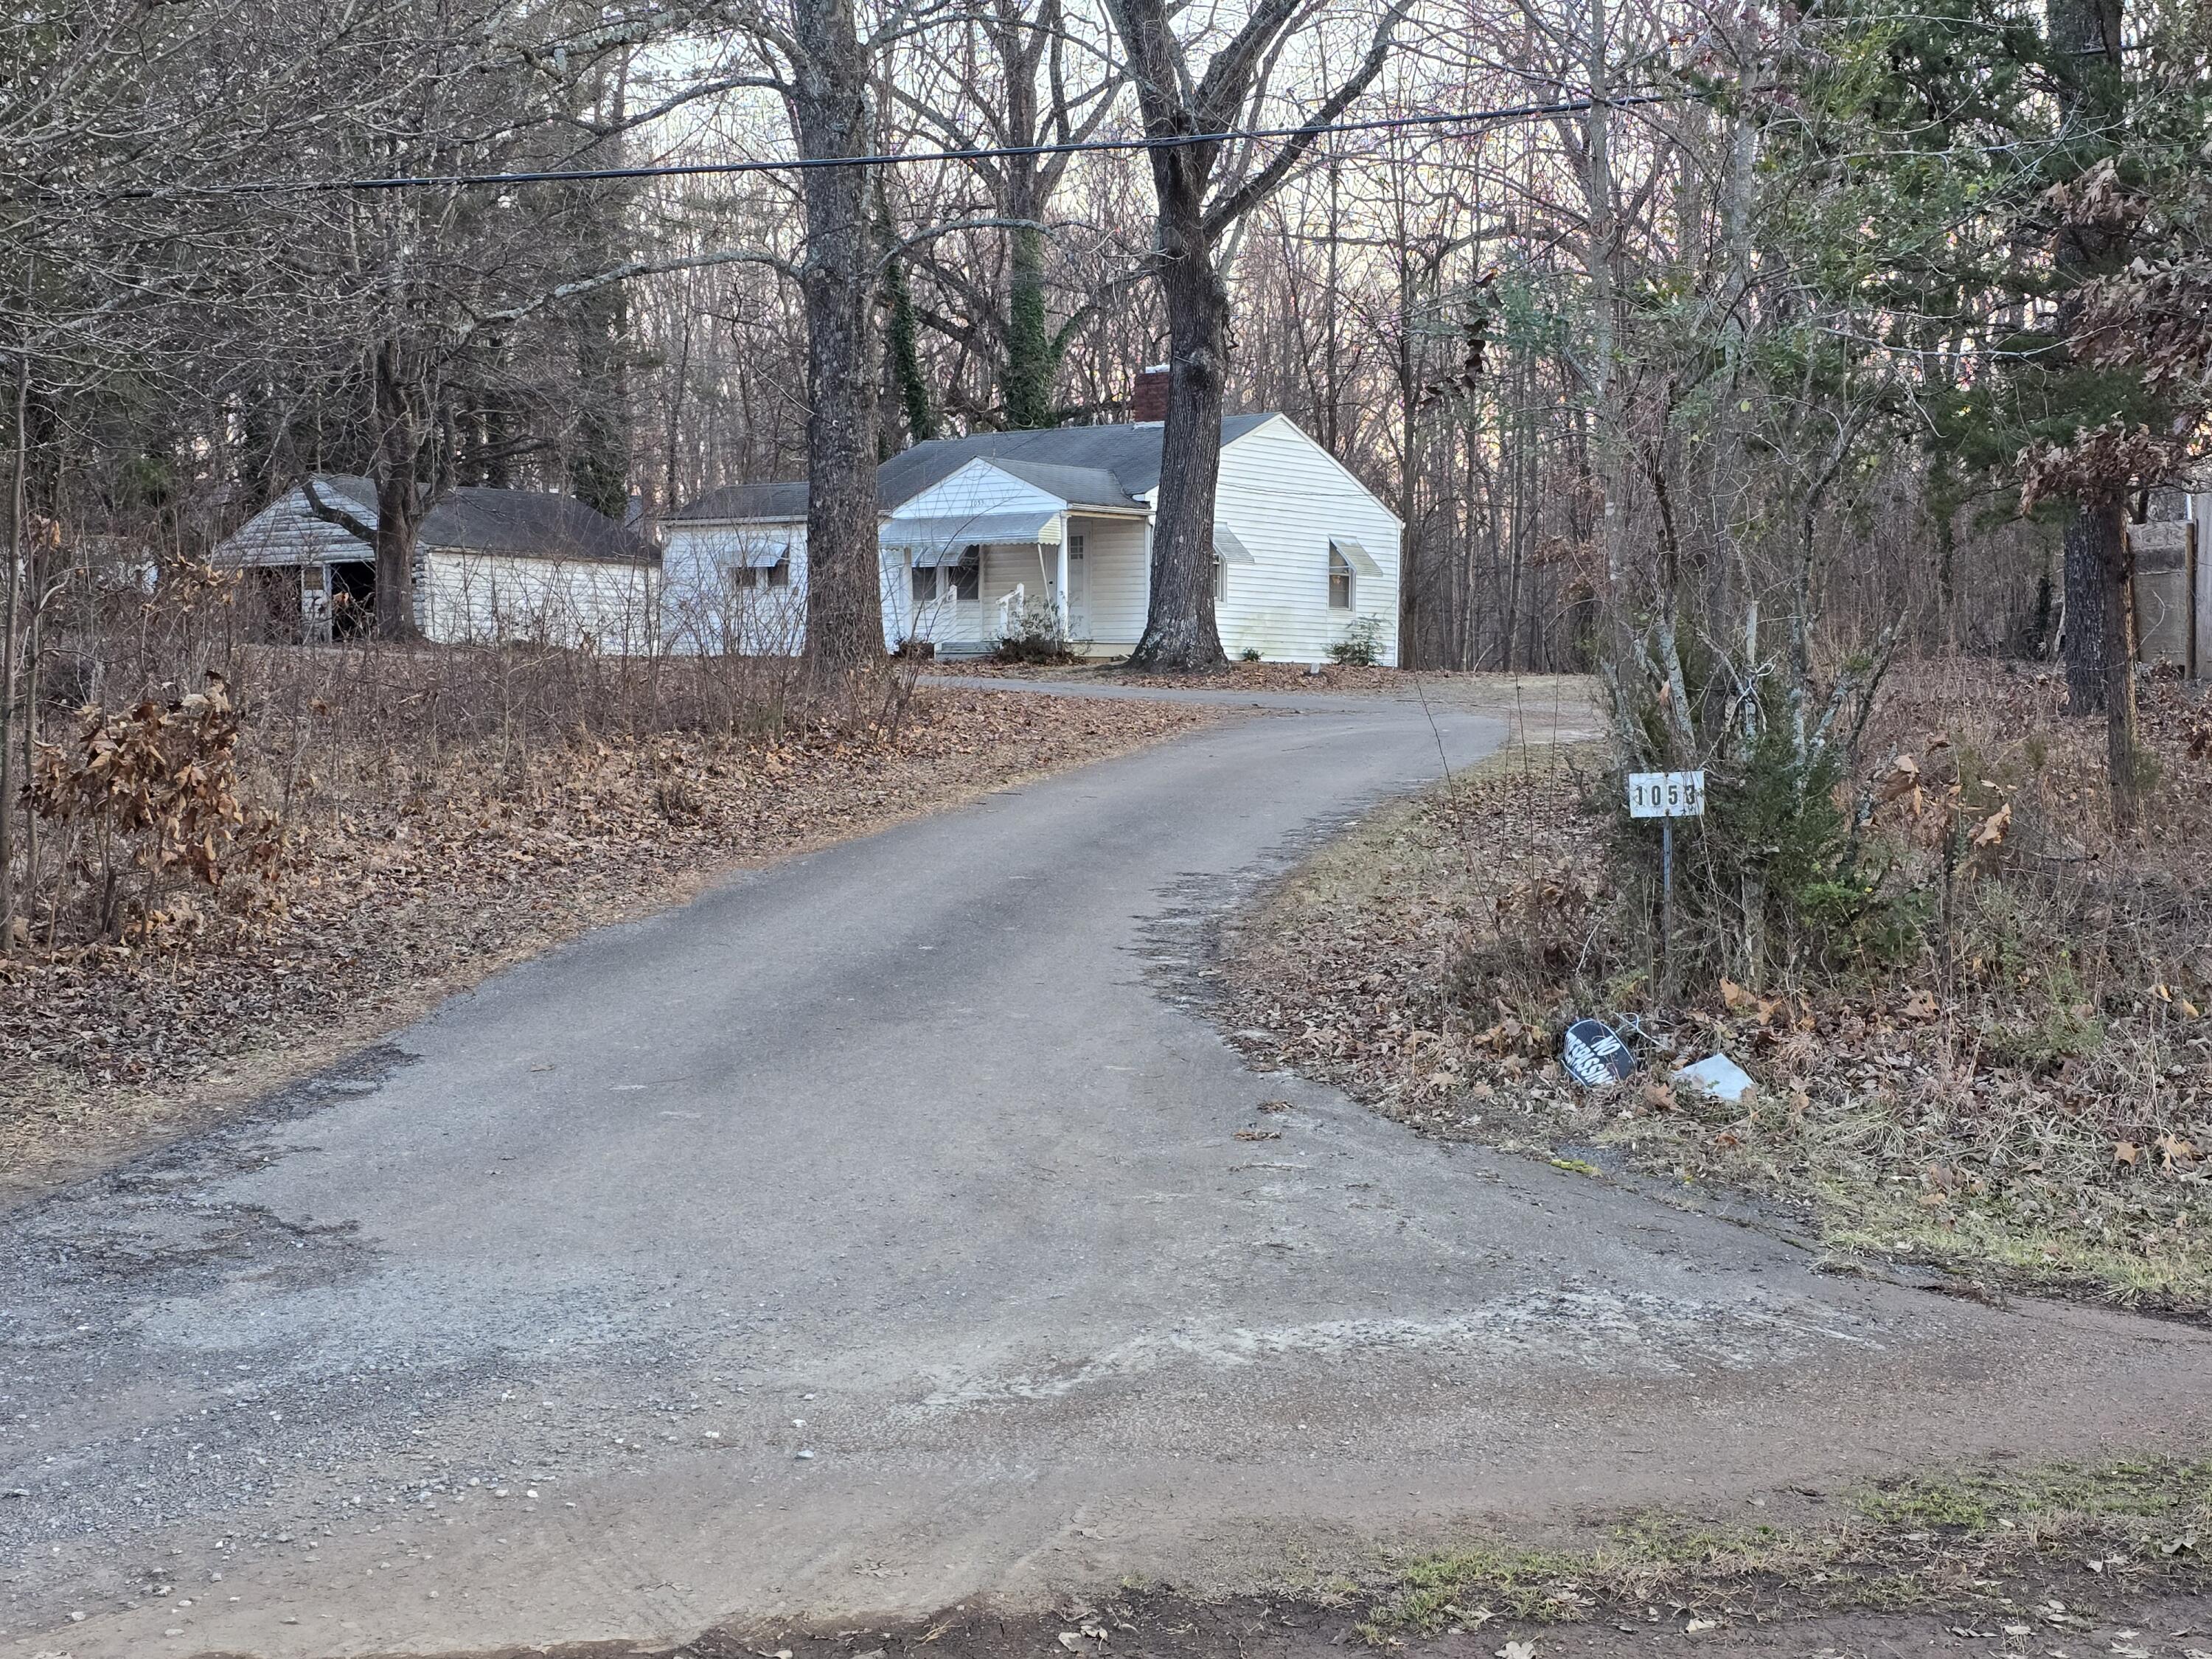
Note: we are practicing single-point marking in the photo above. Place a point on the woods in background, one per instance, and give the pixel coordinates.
(1741, 360)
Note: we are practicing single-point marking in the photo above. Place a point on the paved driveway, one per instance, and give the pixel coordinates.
(874, 1232)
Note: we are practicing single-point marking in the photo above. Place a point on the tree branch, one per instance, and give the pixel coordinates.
(329, 513)
(622, 273)
(1240, 200)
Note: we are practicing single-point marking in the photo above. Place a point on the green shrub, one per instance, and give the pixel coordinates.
(1361, 646)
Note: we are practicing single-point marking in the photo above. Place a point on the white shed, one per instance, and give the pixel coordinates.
(990, 534)
(490, 565)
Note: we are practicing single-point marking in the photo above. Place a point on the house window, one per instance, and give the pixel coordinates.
(1339, 580)
(1220, 580)
(746, 577)
(961, 581)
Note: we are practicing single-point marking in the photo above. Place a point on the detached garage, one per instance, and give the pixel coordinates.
(490, 565)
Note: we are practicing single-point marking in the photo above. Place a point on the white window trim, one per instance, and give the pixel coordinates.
(1337, 562)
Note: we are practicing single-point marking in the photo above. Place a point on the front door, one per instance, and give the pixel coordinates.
(1078, 591)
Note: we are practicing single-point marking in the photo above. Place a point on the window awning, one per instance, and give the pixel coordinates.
(943, 540)
(751, 555)
(1356, 557)
(1228, 549)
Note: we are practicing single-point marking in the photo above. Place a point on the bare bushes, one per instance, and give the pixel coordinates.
(182, 737)
(1983, 1037)
(1037, 633)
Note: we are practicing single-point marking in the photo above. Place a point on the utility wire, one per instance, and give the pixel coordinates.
(801, 164)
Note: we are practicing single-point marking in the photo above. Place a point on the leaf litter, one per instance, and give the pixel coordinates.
(2039, 1116)
(420, 877)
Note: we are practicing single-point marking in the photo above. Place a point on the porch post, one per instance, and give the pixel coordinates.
(1062, 606)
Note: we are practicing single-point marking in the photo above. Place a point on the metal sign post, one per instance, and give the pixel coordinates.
(1667, 796)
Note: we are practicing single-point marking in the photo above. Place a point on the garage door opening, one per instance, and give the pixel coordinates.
(353, 599)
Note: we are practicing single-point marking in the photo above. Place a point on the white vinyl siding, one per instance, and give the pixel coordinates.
(978, 490)
(1114, 552)
(1285, 498)
(1027, 565)
(707, 609)
(928, 603)
(484, 598)
(462, 597)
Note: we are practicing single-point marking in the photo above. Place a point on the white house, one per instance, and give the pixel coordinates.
(490, 565)
(1008, 531)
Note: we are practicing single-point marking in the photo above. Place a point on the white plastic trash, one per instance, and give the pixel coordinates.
(1720, 1077)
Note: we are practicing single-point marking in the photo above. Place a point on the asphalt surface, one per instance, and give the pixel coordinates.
(874, 1232)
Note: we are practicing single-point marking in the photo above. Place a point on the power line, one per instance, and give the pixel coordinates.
(800, 164)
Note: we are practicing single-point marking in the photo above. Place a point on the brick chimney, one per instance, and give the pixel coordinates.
(1150, 400)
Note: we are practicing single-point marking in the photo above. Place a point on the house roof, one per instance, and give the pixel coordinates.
(1104, 466)
(748, 500)
(1078, 486)
(527, 523)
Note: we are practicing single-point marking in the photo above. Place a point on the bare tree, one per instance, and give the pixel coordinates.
(1203, 188)
(1039, 78)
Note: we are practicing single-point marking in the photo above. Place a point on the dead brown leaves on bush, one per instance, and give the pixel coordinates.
(151, 791)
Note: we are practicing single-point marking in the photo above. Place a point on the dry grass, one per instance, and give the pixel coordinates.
(1976, 1543)
(2016, 1086)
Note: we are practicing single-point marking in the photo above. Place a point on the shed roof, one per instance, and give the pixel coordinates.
(526, 523)
(1103, 466)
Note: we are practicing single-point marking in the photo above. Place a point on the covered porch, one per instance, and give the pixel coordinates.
(963, 584)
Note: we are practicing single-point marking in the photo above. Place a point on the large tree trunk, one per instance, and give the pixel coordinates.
(1032, 369)
(402, 421)
(1032, 363)
(2084, 35)
(10, 611)
(830, 117)
(1180, 633)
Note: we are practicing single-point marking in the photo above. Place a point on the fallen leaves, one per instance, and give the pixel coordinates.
(418, 872)
(2051, 1068)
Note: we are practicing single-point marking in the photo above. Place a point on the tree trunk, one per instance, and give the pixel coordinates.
(830, 117)
(18, 557)
(2084, 35)
(1032, 365)
(2090, 628)
(401, 427)
(905, 340)
(2104, 521)
(1032, 372)
(1179, 632)
(1611, 461)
